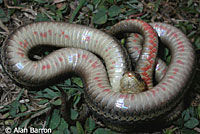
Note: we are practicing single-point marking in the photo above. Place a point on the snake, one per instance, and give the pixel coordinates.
(123, 98)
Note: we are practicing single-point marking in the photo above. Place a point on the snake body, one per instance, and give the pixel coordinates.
(119, 111)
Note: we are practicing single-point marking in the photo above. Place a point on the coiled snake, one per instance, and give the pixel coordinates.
(122, 107)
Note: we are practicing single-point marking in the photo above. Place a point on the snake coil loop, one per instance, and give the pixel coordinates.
(122, 111)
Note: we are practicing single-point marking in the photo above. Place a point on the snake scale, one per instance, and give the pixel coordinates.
(122, 111)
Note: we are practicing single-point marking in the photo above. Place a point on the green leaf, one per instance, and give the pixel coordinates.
(79, 128)
(189, 27)
(63, 127)
(25, 123)
(48, 119)
(123, 41)
(19, 95)
(184, 29)
(198, 110)
(110, 1)
(188, 131)
(55, 119)
(4, 109)
(52, 8)
(189, 3)
(191, 110)
(102, 9)
(64, 6)
(2, 14)
(22, 114)
(191, 123)
(91, 7)
(191, 33)
(40, 1)
(54, 88)
(41, 17)
(14, 108)
(157, 3)
(23, 108)
(90, 125)
(73, 129)
(168, 60)
(133, 1)
(4, 116)
(72, 91)
(77, 81)
(166, 52)
(100, 131)
(76, 99)
(57, 102)
(179, 122)
(186, 115)
(68, 82)
(100, 18)
(51, 93)
(96, 2)
(197, 43)
(74, 114)
(59, 15)
(130, 12)
(39, 93)
(44, 101)
(170, 130)
(14, 125)
(15, 2)
(114, 11)
(57, 132)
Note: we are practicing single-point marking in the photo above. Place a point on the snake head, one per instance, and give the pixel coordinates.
(132, 82)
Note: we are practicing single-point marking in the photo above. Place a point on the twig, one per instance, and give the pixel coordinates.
(3, 27)
(45, 12)
(12, 7)
(75, 12)
(136, 15)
